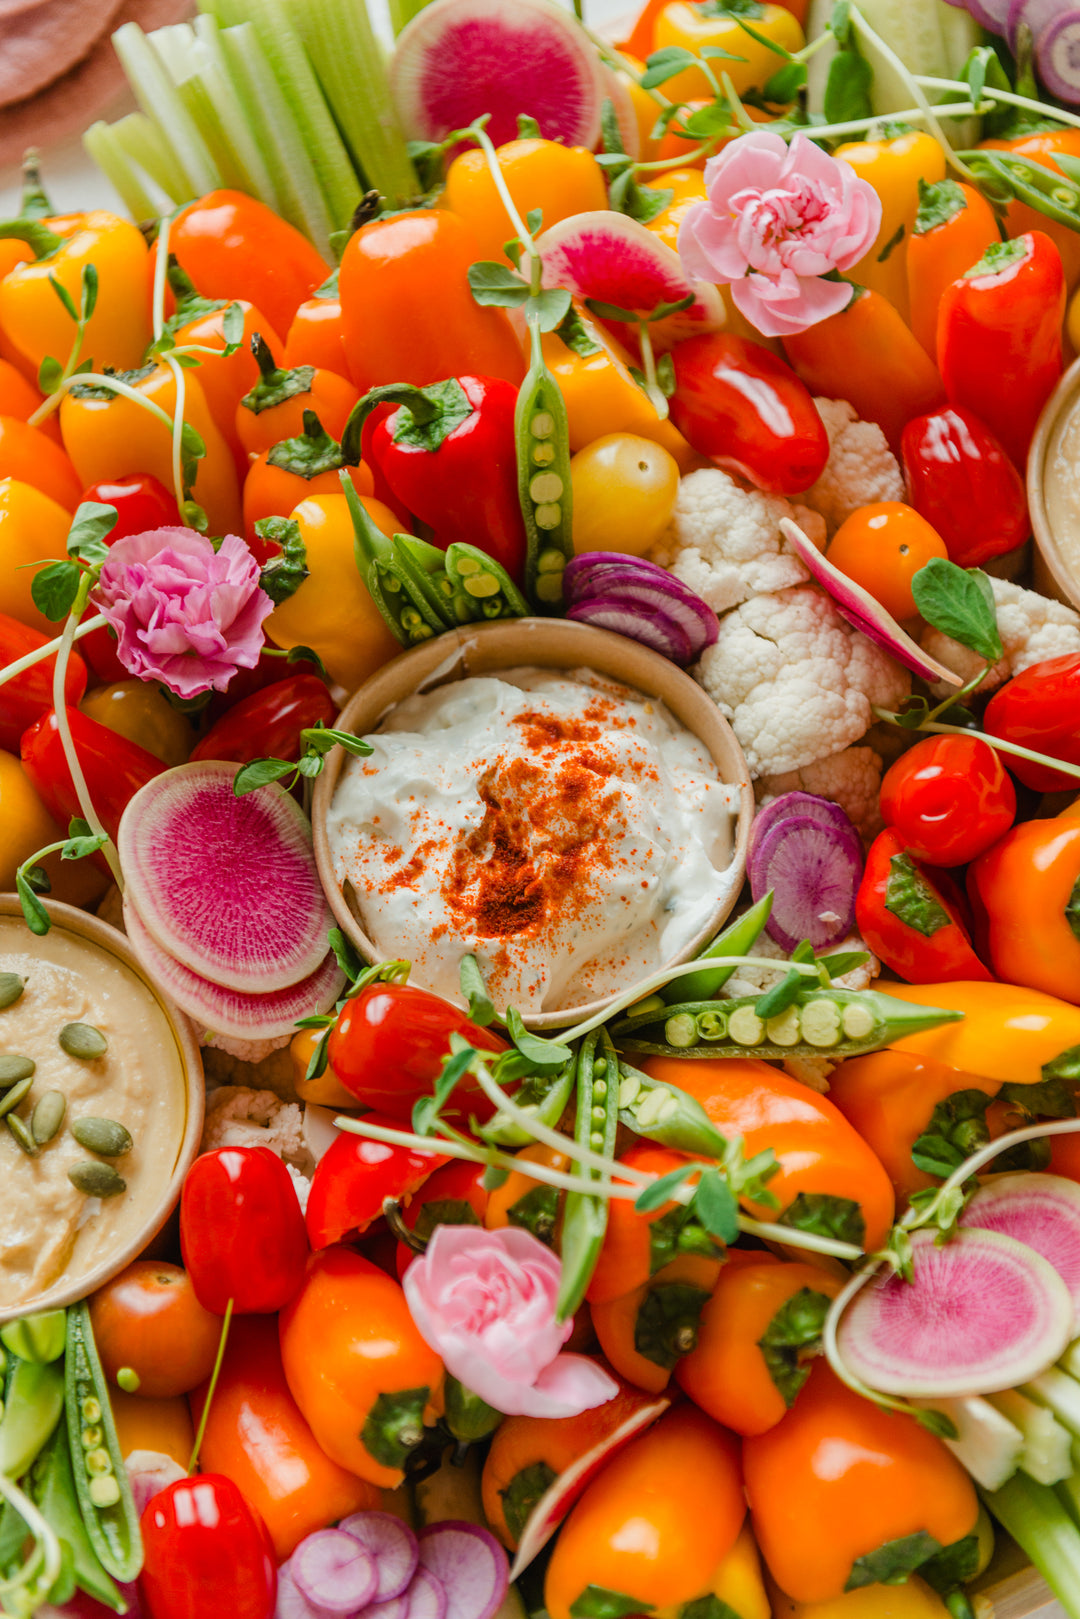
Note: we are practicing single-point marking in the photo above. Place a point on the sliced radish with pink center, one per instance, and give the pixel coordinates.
(228, 1011)
(615, 87)
(470, 1565)
(226, 885)
(813, 867)
(1040, 1210)
(458, 59)
(984, 1313)
(390, 1544)
(291, 1601)
(334, 1572)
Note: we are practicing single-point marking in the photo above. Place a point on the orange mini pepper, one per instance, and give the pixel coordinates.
(757, 1333)
(315, 336)
(294, 470)
(32, 527)
(637, 1245)
(27, 454)
(820, 1156)
(407, 311)
(838, 1479)
(273, 407)
(162, 1424)
(645, 1333)
(559, 180)
(952, 230)
(19, 398)
(897, 167)
(1007, 1032)
(529, 1203)
(1026, 893)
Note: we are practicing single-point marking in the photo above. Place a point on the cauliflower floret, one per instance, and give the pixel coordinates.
(851, 778)
(861, 467)
(239, 1117)
(755, 980)
(725, 541)
(1032, 629)
(795, 680)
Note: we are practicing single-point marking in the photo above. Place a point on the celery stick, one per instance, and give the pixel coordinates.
(986, 1442)
(246, 157)
(117, 168)
(1070, 1360)
(349, 61)
(144, 144)
(1068, 1491)
(301, 200)
(1047, 1452)
(156, 95)
(1061, 1393)
(403, 11)
(1041, 1527)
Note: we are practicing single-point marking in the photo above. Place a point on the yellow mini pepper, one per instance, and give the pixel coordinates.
(32, 527)
(33, 319)
(694, 26)
(912, 1600)
(894, 168)
(559, 180)
(1008, 1033)
(738, 1583)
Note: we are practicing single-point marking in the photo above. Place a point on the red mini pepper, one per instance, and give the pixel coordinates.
(746, 410)
(269, 722)
(242, 1231)
(999, 337)
(389, 1044)
(913, 919)
(356, 1176)
(29, 695)
(448, 454)
(114, 768)
(206, 1551)
(960, 479)
(1040, 709)
(142, 503)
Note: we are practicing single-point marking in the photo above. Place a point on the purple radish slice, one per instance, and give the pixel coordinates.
(617, 587)
(788, 804)
(226, 885)
(291, 1601)
(984, 1313)
(813, 868)
(390, 1544)
(601, 578)
(229, 1011)
(583, 568)
(426, 1598)
(653, 629)
(1034, 13)
(470, 1564)
(458, 59)
(990, 14)
(394, 1608)
(860, 609)
(1057, 55)
(1042, 1211)
(334, 1572)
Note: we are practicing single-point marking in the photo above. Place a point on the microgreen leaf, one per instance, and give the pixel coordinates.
(762, 39)
(475, 992)
(427, 1109)
(345, 954)
(785, 83)
(959, 602)
(259, 773)
(533, 220)
(89, 291)
(283, 575)
(232, 325)
(493, 283)
(64, 296)
(610, 132)
(192, 450)
(843, 961)
(54, 590)
(541, 1053)
(548, 308)
(839, 24)
(86, 536)
(779, 997)
(81, 841)
(34, 913)
(304, 654)
(661, 1190)
(320, 738)
(847, 88)
(605, 311)
(50, 372)
(310, 764)
(664, 64)
(715, 1206)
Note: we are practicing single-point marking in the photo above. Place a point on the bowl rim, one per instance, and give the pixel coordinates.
(85, 925)
(1066, 393)
(549, 643)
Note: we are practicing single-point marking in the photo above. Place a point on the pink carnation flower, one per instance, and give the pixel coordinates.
(184, 614)
(778, 219)
(485, 1302)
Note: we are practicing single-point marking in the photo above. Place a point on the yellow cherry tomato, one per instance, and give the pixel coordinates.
(624, 493)
(32, 528)
(559, 180)
(692, 27)
(25, 827)
(136, 709)
(882, 547)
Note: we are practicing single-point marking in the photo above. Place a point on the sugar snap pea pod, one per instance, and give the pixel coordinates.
(52, 1489)
(101, 1481)
(36, 1337)
(33, 1403)
(403, 601)
(544, 488)
(836, 1022)
(1008, 175)
(666, 1114)
(585, 1218)
(544, 1096)
(480, 587)
(736, 940)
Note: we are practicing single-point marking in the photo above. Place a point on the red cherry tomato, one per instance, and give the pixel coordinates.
(1040, 710)
(949, 797)
(242, 1231)
(114, 768)
(961, 480)
(356, 1177)
(29, 695)
(206, 1551)
(142, 503)
(746, 410)
(268, 723)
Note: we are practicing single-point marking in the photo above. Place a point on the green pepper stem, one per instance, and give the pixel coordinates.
(30, 658)
(34, 204)
(37, 236)
(63, 727)
(995, 742)
(226, 1321)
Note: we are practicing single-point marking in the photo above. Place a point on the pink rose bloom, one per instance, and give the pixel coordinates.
(485, 1302)
(778, 219)
(184, 614)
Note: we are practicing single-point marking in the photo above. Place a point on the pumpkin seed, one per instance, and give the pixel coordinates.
(96, 1180)
(22, 1135)
(105, 1136)
(13, 1067)
(48, 1116)
(83, 1040)
(11, 987)
(15, 1096)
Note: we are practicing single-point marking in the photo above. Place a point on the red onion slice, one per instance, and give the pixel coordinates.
(470, 1564)
(334, 1572)
(792, 804)
(1057, 55)
(862, 611)
(392, 1547)
(652, 628)
(813, 869)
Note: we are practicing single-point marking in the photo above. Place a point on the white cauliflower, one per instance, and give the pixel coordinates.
(239, 1117)
(797, 682)
(861, 467)
(1032, 629)
(755, 980)
(725, 542)
(850, 778)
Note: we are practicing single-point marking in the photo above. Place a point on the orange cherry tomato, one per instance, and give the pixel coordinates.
(637, 1245)
(161, 1425)
(148, 1319)
(882, 547)
(645, 1333)
(31, 456)
(739, 1375)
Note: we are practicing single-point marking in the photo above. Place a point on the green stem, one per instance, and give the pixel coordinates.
(46, 1551)
(791, 1237)
(161, 274)
(214, 1375)
(648, 365)
(63, 727)
(992, 93)
(28, 661)
(95, 379)
(966, 690)
(483, 140)
(1039, 1524)
(584, 1156)
(995, 742)
(910, 115)
(665, 162)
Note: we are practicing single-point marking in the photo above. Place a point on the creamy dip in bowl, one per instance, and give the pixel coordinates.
(557, 801)
(57, 1241)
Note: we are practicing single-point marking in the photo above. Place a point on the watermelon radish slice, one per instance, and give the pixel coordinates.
(613, 259)
(617, 89)
(231, 1012)
(1040, 1210)
(458, 59)
(983, 1313)
(226, 885)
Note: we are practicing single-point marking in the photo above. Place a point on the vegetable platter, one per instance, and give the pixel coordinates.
(552, 501)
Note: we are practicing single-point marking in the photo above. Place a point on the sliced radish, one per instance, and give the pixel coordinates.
(471, 1566)
(633, 583)
(653, 629)
(228, 1011)
(458, 59)
(291, 1601)
(1034, 13)
(612, 258)
(1057, 55)
(1040, 1210)
(396, 1608)
(789, 804)
(813, 868)
(618, 90)
(334, 1572)
(390, 1544)
(226, 885)
(860, 609)
(990, 14)
(426, 1598)
(983, 1313)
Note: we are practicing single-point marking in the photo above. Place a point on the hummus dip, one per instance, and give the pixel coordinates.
(565, 830)
(48, 1228)
(1061, 488)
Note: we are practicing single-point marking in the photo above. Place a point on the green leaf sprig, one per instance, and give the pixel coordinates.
(55, 588)
(315, 743)
(32, 880)
(51, 374)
